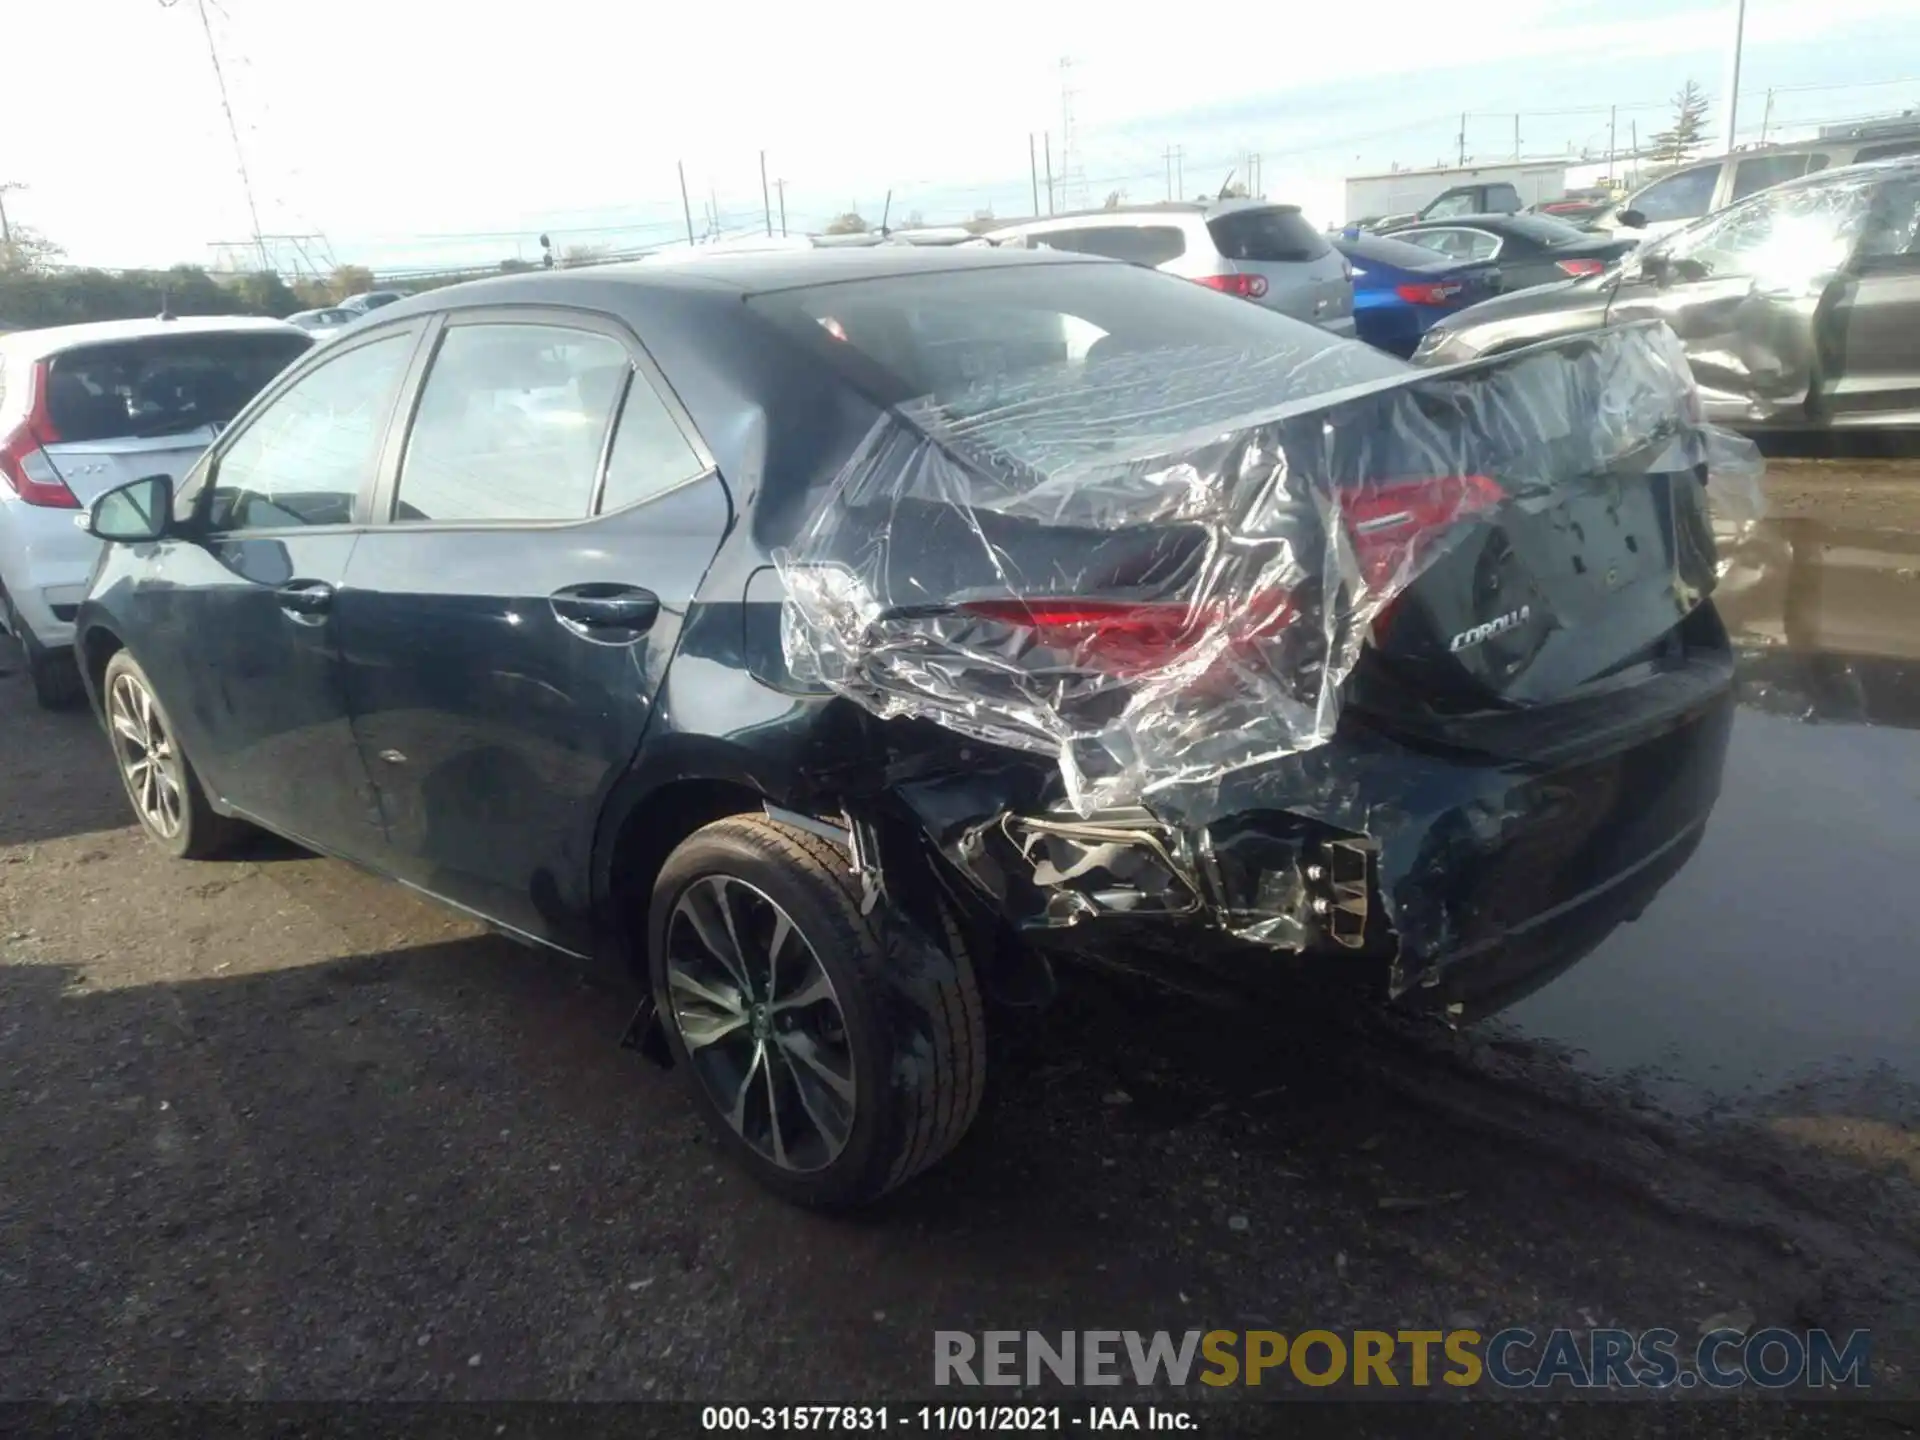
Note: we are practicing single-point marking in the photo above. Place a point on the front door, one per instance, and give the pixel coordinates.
(1750, 293)
(506, 626)
(244, 600)
(1876, 321)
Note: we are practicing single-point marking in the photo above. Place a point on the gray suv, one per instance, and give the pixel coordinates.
(1261, 252)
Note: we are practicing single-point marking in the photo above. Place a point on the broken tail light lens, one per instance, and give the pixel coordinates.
(1577, 268)
(1128, 639)
(1432, 292)
(1389, 522)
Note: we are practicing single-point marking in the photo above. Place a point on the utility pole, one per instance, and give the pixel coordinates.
(1766, 119)
(686, 205)
(1047, 140)
(1613, 139)
(1463, 139)
(6, 230)
(233, 130)
(766, 205)
(1635, 132)
(1516, 137)
(1733, 77)
(1169, 172)
(781, 186)
(1179, 172)
(1033, 169)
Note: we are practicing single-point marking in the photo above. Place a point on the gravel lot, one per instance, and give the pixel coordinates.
(275, 1129)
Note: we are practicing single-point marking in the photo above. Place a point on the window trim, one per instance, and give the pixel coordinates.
(316, 357)
(640, 366)
(1441, 228)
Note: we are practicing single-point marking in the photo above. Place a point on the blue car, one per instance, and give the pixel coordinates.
(1400, 290)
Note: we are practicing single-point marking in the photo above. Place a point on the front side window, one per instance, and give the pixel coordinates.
(511, 423)
(305, 456)
(1449, 206)
(1685, 196)
(1784, 237)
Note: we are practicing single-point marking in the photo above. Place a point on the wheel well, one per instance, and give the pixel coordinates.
(651, 832)
(97, 647)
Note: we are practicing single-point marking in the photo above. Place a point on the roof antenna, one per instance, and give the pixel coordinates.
(1225, 185)
(885, 211)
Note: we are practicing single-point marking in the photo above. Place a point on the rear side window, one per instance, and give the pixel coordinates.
(649, 453)
(162, 385)
(511, 424)
(1762, 171)
(1889, 148)
(1136, 244)
(1274, 236)
(1502, 198)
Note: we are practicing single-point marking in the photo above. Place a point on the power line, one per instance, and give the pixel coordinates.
(233, 129)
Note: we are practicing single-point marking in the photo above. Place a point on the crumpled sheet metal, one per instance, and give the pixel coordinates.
(1158, 568)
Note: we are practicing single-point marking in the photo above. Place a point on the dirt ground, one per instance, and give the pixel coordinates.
(273, 1129)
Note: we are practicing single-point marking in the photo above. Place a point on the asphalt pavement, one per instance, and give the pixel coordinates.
(273, 1129)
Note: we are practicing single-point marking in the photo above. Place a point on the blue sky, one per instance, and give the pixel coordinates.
(408, 137)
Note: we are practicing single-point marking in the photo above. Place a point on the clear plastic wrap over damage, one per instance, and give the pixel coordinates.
(1161, 567)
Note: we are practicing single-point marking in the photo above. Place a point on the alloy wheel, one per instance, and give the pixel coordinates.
(761, 1022)
(148, 759)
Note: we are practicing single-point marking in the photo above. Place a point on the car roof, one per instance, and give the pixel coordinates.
(54, 338)
(1148, 210)
(741, 273)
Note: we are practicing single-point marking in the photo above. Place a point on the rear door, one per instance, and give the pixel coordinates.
(1306, 277)
(507, 623)
(1876, 316)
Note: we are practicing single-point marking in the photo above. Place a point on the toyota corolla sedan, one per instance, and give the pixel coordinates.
(838, 637)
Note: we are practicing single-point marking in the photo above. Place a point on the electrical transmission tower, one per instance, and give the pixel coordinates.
(1072, 182)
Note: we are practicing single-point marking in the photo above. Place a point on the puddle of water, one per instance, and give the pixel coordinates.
(1787, 952)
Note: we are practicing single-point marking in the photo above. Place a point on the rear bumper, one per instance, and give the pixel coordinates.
(46, 562)
(1471, 879)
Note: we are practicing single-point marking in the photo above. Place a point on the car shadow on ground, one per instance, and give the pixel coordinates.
(347, 1179)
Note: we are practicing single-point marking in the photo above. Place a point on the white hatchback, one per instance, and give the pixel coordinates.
(84, 408)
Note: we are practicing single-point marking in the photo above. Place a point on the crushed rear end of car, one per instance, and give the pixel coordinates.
(1417, 675)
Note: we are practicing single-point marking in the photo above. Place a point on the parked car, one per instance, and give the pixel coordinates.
(1399, 290)
(368, 300)
(1694, 191)
(1256, 251)
(552, 663)
(1799, 306)
(325, 323)
(84, 408)
(1530, 249)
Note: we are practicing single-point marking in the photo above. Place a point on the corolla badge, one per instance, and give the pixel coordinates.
(1499, 625)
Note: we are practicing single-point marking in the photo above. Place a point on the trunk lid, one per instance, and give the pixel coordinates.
(93, 467)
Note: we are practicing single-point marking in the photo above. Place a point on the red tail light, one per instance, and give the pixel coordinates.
(24, 464)
(1127, 639)
(1432, 292)
(1580, 267)
(1247, 287)
(1388, 523)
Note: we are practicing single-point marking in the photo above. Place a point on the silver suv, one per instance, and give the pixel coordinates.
(1265, 253)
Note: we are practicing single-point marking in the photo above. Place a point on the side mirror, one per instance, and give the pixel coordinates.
(135, 513)
(1631, 219)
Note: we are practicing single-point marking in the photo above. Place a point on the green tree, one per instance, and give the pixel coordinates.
(1676, 144)
(349, 280)
(28, 252)
(851, 223)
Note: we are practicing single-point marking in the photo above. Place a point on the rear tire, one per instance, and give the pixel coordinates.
(165, 791)
(830, 1071)
(56, 678)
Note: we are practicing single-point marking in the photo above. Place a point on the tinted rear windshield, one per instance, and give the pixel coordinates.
(162, 385)
(1397, 253)
(1273, 235)
(1067, 359)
